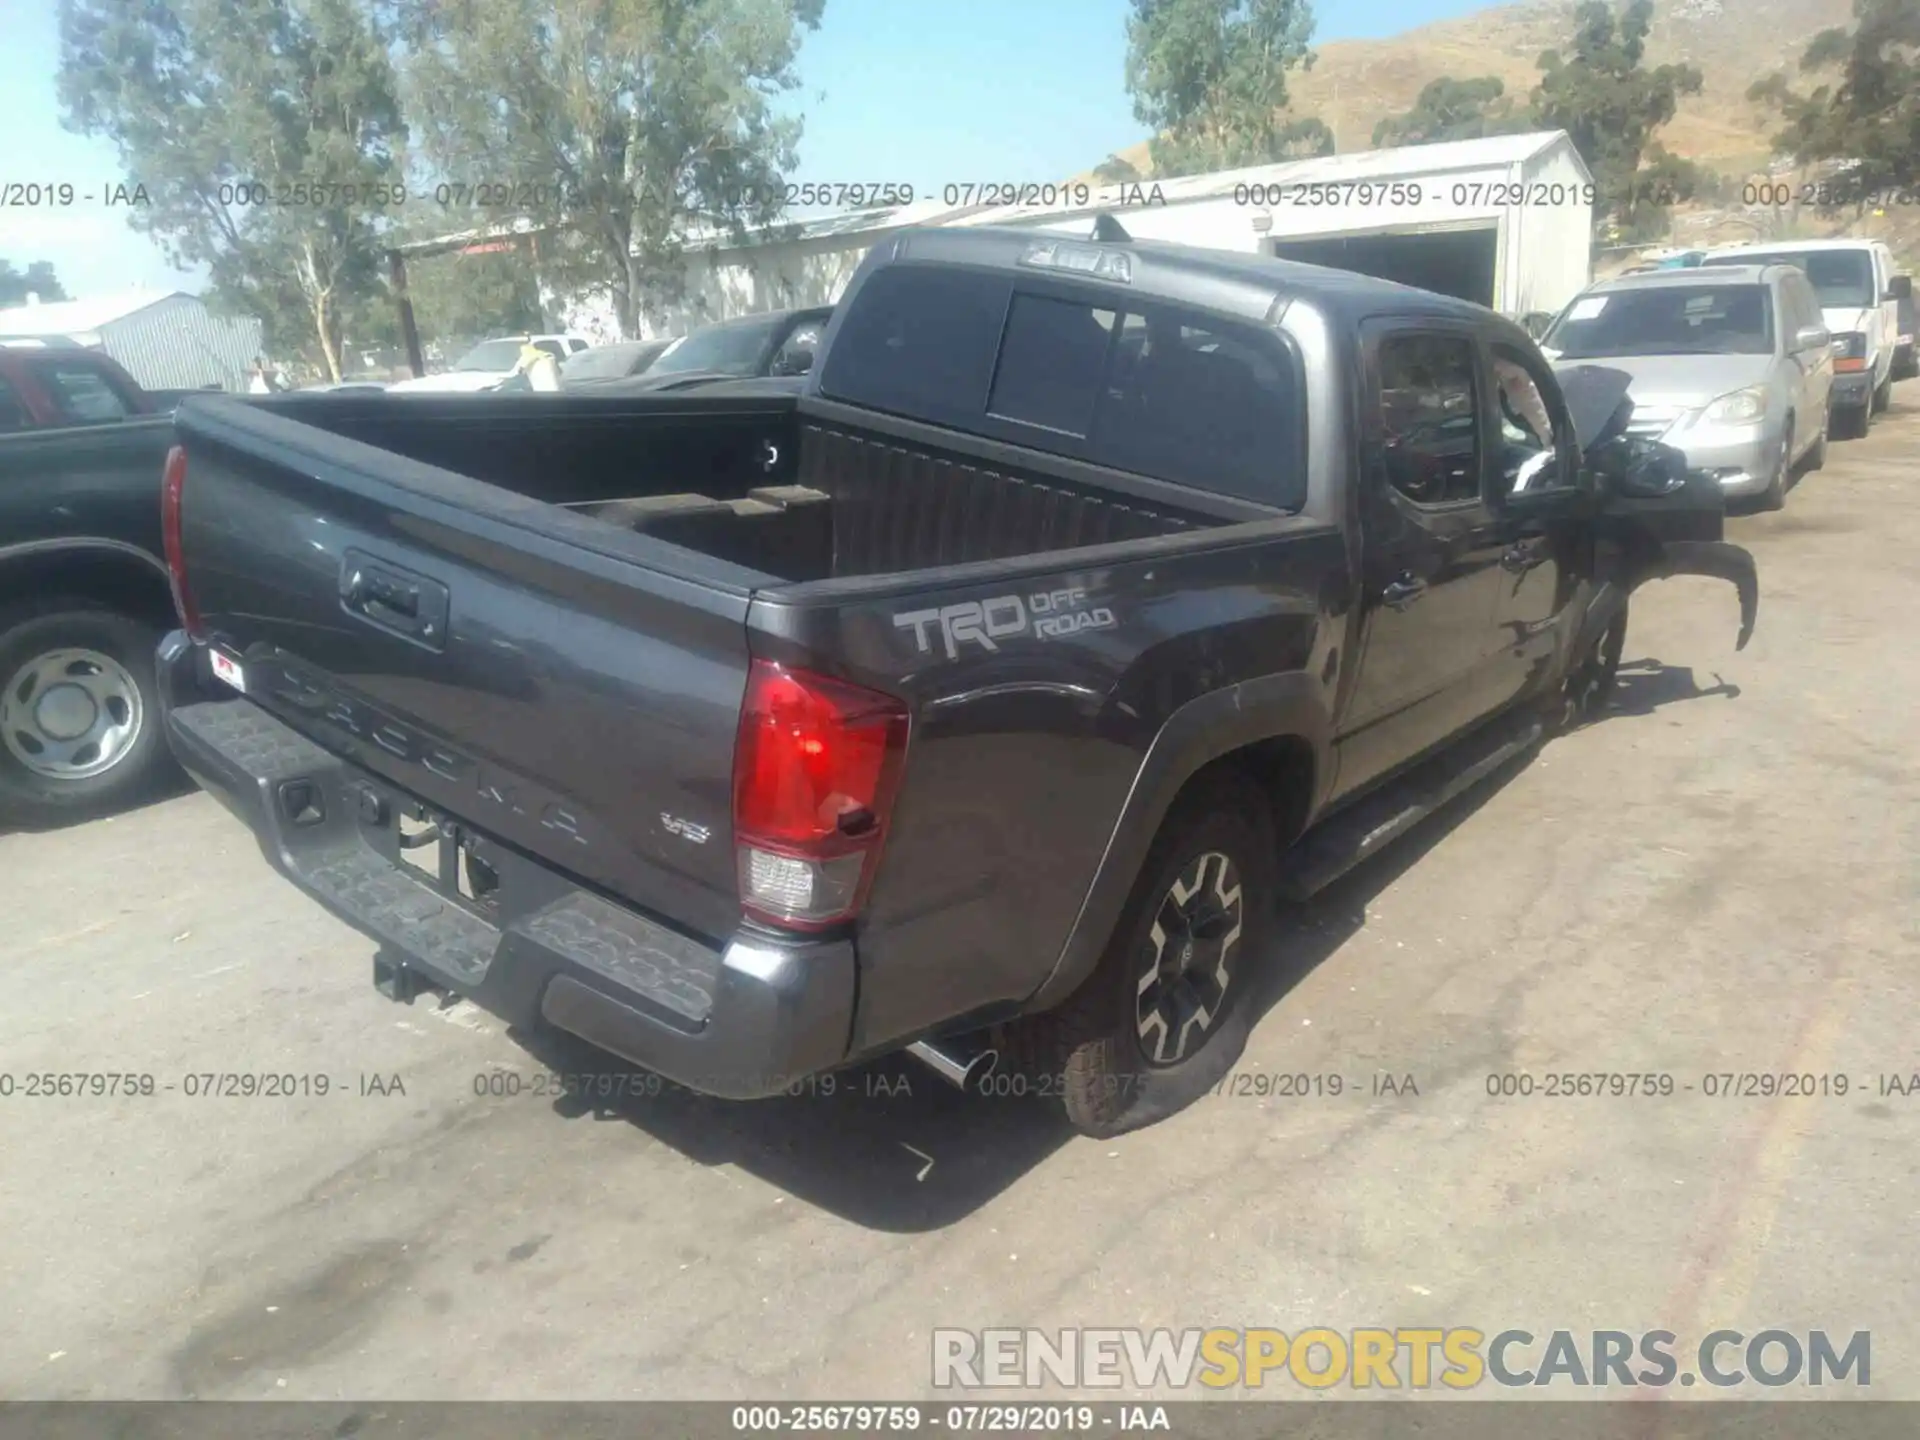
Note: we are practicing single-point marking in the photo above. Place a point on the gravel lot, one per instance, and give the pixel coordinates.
(1720, 878)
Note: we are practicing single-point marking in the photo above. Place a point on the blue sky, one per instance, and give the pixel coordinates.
(903, 91)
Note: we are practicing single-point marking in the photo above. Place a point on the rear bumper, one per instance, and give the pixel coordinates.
(742, 1021)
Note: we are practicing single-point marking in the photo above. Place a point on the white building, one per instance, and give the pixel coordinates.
(166, 340)
(1505, 221)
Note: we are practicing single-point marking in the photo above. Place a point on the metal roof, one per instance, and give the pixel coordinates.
(79, 317)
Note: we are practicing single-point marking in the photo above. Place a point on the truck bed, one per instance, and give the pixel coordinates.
(771, 483)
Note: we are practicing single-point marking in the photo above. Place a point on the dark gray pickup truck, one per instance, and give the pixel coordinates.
(983, 698)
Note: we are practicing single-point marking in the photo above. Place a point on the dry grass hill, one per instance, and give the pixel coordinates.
(1356, 83)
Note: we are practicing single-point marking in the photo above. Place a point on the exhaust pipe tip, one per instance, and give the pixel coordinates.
(964, 1069)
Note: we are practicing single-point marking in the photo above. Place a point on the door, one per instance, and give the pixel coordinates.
(1813, 365)
(1536, 465)
(1430, 550)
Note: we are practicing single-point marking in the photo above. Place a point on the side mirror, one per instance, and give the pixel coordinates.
(793, 362)
(1900, 287)
(1812, 337)
(1638, 467)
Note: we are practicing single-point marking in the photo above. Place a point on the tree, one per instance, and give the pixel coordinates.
(37, 279)
(262, 133)
(611, 124)
(1210, 77)
(1606, 99)
(1115, 170)
(1869, 112)
(1449, 109)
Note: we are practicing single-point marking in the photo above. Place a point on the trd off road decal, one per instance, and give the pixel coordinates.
(1044, 616)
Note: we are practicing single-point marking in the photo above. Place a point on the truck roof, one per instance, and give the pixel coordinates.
(1227, 280)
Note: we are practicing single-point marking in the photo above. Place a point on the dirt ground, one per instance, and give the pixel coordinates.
(1720, 878)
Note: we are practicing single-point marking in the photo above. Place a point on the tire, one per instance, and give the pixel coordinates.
(1125, 1051)
(79, 712)
(1852, 423)
(1883, 397)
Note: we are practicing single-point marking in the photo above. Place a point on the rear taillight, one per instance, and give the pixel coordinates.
(173, 485)
(815, 769)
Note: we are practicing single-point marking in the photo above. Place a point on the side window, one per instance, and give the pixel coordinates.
(81, 394)
(1430, 418)
(1530, 444)
(920, 341)
(1191, 401)
(575, 346)
(13, 413)
(1051, 361)
(552, 347)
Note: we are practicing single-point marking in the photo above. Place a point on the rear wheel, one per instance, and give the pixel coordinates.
(1853, 422)
(79, 712)
(1165, 1012)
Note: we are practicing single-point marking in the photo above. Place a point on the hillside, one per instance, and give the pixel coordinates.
(1356, 83)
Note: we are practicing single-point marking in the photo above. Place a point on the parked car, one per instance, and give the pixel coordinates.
(1733, 365)
(487, 365)
(83, 588)
(346, 387)
(779, 343)
(620, 361)
(1859, 299)
(964, 702)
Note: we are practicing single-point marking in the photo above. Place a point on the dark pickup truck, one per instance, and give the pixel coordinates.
(986, 697)
(83, 588)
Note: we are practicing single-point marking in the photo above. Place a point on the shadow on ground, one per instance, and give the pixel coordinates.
(1646, 685)
(175, 784)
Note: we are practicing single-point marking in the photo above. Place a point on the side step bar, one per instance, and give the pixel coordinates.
(1338, 844)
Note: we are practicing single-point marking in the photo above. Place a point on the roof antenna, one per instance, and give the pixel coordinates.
(1109, 231)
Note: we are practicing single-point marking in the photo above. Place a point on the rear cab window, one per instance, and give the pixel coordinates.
(81, 394)
(1153, 389)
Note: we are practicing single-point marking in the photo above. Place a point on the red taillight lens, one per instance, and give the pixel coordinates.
(1849, 367)
(173, 485)
(814, 774)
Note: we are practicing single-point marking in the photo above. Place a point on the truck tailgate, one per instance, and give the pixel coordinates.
(564, 688)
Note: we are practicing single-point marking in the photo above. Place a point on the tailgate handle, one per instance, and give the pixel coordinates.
(394, 599)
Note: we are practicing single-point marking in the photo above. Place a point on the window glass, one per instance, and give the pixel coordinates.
(1192, 402)
(920, 341)
(552, 347)
(1842, 279)
(13, 414)
(1529, 443)
(1667, 320)
(1051, 363)
(1430, 418)
(81, 394)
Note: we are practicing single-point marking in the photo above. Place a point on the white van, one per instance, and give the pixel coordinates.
(1860, 303)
